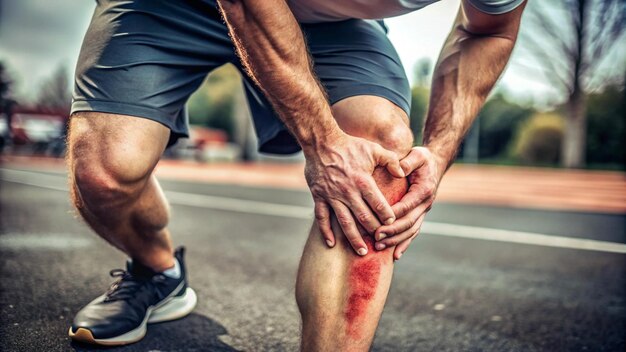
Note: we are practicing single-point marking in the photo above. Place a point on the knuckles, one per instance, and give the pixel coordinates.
(361, 182)
(363, 217)
(344, 220)
(379, 206)
(320, 216)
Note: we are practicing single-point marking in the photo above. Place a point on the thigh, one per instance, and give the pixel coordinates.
(145, 58)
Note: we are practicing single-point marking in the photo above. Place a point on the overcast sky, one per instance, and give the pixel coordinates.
(36, 36)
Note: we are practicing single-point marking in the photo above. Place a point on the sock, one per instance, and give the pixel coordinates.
(173, 272)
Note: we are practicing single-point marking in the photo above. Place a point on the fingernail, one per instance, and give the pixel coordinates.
(400, 255)
(389, 221)
(329, 243)
(380, 246)
(382, 236)
(362, 251)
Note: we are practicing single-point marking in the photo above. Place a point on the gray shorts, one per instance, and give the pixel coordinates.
(146, 57)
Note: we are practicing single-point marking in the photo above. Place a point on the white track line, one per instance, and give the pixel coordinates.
(299, 212)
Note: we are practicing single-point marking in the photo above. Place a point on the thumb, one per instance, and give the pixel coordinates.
(415, 159)
(390, 160)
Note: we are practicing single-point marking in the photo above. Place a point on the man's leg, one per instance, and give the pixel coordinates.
(111, 158)
(340, 294)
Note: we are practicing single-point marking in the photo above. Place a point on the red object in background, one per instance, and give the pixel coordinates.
(35, 125)
(202, 137)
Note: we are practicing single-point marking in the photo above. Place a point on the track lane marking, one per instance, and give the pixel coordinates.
(306, 213)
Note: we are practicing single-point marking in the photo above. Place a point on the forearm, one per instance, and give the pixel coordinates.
(468, 67)
(272, 49)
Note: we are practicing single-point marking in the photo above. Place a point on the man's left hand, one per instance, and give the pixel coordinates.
(424, 173)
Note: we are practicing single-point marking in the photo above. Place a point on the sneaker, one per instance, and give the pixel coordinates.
(139, 297)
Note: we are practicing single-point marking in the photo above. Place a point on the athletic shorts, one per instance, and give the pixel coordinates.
(145, 58)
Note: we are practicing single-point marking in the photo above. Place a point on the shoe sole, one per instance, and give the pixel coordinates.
(175, 308)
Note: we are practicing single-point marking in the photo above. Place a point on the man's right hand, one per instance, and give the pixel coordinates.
(339, 175)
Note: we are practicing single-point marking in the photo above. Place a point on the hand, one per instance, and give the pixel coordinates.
(424, 176)
(339, 174)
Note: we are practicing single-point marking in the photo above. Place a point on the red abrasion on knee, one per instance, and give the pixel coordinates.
(364, 272)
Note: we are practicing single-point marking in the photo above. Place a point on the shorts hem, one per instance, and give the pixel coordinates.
(268, 144)
(341, 93)
(140, 111)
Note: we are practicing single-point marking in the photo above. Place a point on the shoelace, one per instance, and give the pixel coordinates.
(127, 284)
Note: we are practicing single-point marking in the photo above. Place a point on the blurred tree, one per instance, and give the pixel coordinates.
(420, 93)
(212, 104)
(571, 39)
(499, 120)
(6, 83)
(606, 112)
(55, 91)
(422, 72)
(6, 102)
(538, 140)
(419, 104)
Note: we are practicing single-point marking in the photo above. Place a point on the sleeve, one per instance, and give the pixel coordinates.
(495, 7)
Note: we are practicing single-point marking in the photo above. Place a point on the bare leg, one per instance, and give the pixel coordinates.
(340, 294)
(111, 159)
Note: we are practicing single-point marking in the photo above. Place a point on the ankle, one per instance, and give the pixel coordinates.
(157, 261)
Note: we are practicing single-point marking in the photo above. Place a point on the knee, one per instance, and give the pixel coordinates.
(376, 119)
(103, 175)
(98, 188)
(396, 136)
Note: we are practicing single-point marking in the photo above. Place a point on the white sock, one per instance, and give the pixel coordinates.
(173, 272)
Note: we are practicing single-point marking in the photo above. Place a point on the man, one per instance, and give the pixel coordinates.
(341, 96)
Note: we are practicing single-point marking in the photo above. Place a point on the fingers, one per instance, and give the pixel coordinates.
(415, 197)
(399, 226)
(377, 202)
(403, 246)
(397, 239)
(322, 215)
(388, 159)
(347, 224)
(413, 160)
(364, 215)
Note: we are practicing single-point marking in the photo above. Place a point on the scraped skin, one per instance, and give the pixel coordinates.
(341, 294)
(364, 273)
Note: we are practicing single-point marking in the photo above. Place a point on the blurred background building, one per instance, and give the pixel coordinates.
(561, 101)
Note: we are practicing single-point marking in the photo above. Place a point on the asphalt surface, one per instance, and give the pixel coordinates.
(448, 294)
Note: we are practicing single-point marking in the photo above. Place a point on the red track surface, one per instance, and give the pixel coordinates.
(537, 188)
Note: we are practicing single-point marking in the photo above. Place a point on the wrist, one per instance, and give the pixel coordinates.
(443, 158)
(322, 140)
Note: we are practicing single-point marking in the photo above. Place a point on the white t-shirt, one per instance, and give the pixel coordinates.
(312, 11)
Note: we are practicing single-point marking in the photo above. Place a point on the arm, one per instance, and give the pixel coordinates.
(339, 167)
(272, 49)
(470, 63)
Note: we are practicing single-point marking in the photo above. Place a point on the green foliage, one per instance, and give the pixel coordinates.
(499, 119)
(212, 104)
(606, 127)
(422, 72)
(538, 139)
(419, 104)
